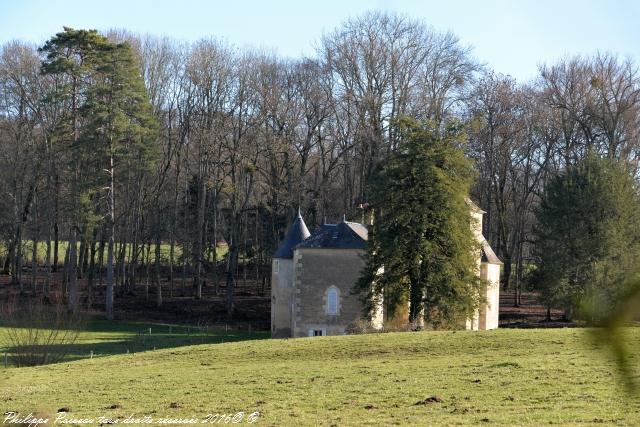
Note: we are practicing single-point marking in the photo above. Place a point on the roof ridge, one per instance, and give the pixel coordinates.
(344, 235)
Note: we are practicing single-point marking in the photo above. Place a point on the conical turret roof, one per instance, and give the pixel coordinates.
(297, 233)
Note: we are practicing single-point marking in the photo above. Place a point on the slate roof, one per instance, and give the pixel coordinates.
(473, 206)
(346, 235)
(297, 233)
(488, 255)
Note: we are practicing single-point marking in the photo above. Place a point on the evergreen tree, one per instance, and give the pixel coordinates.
(421, 249)
(110, 123)
(587, 234)
(120, 128)
(71, 56)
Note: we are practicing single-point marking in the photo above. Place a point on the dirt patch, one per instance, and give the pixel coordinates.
(529, 313)
(430, 400)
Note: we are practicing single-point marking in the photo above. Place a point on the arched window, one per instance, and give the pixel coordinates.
(332, 301)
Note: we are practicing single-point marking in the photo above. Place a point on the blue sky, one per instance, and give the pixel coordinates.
(512, 37)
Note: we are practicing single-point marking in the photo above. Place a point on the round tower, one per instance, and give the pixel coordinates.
(282, 279)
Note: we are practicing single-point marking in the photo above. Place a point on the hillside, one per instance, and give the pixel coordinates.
(508, 377)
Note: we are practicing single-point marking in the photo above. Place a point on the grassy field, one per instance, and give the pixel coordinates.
(41, 251)
(102, 338)
(502, 377)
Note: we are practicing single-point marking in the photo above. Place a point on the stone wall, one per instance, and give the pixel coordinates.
(489, 312)
(281, 297)
(316, 270)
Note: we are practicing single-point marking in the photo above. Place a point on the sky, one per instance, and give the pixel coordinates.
(512, 37)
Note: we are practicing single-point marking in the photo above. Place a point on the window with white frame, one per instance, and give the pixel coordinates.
(332, 301)
(276, 266)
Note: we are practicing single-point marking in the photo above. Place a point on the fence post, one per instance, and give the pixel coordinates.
(91, 356)
(6, 360)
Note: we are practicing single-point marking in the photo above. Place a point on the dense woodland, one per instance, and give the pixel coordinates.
(236, 140)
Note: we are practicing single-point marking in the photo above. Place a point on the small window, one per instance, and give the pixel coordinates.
(332, 301)
(316, 333)
(276, 266)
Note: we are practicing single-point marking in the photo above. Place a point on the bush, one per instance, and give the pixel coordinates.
(360, 326)
(37, 332)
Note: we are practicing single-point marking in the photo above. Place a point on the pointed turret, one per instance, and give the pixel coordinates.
(297, 233)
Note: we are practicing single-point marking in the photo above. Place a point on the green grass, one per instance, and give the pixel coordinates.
(41, 251)
(102, 338)
(502, 377)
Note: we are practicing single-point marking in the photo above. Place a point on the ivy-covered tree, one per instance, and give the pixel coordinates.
(421, 249)
(587, 235)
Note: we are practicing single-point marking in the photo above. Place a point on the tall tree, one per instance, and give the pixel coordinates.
(109, 121)
(120, 127)
(587, 234)
(422, 247)
(71, 56)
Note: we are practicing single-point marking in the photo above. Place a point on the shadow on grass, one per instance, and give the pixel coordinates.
(100, 338)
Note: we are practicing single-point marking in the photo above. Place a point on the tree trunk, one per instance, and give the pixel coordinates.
(101, 255)
(231, 280)
(47, 262)
(73, 271)
(92, 266)
(110, 232)
(82, 254)
(156, 276)
(56, 230)
(202, 194)
(65, 271)
(34, 249)
(147, 268)
(216, 279)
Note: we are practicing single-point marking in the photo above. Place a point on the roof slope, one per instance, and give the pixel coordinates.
(297, 233)
(488, 255)
(473, 206)
(346, 235)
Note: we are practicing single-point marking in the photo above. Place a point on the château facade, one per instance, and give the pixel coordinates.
(313, 276)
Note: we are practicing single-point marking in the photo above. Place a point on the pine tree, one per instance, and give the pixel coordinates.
(421, 250)
(587, 234)
(71, 56)
(120, 128)
(110, 122)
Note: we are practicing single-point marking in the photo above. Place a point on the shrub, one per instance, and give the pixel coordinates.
(37, 332)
